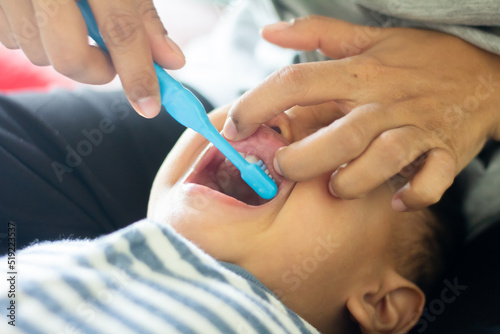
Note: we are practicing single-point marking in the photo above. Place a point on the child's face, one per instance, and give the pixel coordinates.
(304, 240)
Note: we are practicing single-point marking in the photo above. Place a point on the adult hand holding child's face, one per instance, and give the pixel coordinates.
(406, 94)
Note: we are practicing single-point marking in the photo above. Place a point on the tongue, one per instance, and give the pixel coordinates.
(230, 183)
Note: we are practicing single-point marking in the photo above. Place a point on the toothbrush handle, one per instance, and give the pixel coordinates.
(177, 99)
(174, 96)
(225, 148)
(92, 27)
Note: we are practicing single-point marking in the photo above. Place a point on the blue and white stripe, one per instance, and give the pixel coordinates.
(143, 279)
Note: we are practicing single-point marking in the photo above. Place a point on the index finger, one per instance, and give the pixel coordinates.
(296, 85)
(340, 142)
(128, 43)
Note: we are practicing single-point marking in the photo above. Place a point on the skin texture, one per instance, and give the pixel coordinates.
(420, 103)
(319, 254)
(53, 32)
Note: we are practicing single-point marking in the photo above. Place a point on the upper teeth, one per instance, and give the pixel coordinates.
(255, 160)
(252, 159)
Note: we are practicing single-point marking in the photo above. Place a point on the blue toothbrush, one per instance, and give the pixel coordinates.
(186, 109)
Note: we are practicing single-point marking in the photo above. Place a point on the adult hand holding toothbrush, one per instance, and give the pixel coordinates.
(412, 101)
(53, 32)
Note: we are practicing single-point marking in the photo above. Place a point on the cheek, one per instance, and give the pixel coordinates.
(176, 208)
(309, 254)
(223, 234)
(312, 209)
(312, 220)
(194, 219)
(176, 165)
(182, 156)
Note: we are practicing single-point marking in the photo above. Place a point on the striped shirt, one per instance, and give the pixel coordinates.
(145, 278)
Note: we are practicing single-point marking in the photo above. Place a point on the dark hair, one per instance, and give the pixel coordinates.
(430, 244)
(432, 249)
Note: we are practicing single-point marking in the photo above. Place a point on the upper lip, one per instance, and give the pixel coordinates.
(263, 143)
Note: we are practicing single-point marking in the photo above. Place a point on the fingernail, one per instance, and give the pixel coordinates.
(330, 189)
(279, 26)
(276, 165)
(230, 131)
(174, 47)
(330, 185)
(149, 107)
(398, 205)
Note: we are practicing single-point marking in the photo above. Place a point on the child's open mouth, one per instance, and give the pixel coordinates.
(214, 171)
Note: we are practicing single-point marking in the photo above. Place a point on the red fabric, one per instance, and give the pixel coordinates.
(18, 74)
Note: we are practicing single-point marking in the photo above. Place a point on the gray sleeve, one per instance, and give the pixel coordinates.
(476, 21)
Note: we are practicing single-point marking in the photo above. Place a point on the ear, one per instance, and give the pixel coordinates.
(394, 306)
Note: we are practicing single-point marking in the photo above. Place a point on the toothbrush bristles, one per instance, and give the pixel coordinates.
(262, 166)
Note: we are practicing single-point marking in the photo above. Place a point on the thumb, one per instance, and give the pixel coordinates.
(335, 38)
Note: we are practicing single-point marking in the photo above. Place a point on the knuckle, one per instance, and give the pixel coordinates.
(146, 8)
(39, 60)
(9, 41)
(140, 86)
(450, 168)
(364, 67)
(448, 160)
(426, 194)
(392, 150)
(293, 165)
(10, 45)
(291, 77)
(69, 64)
(343, 186)
(351, 136)
(121, 29)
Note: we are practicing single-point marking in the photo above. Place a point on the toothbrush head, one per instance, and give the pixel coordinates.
(258, 178)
